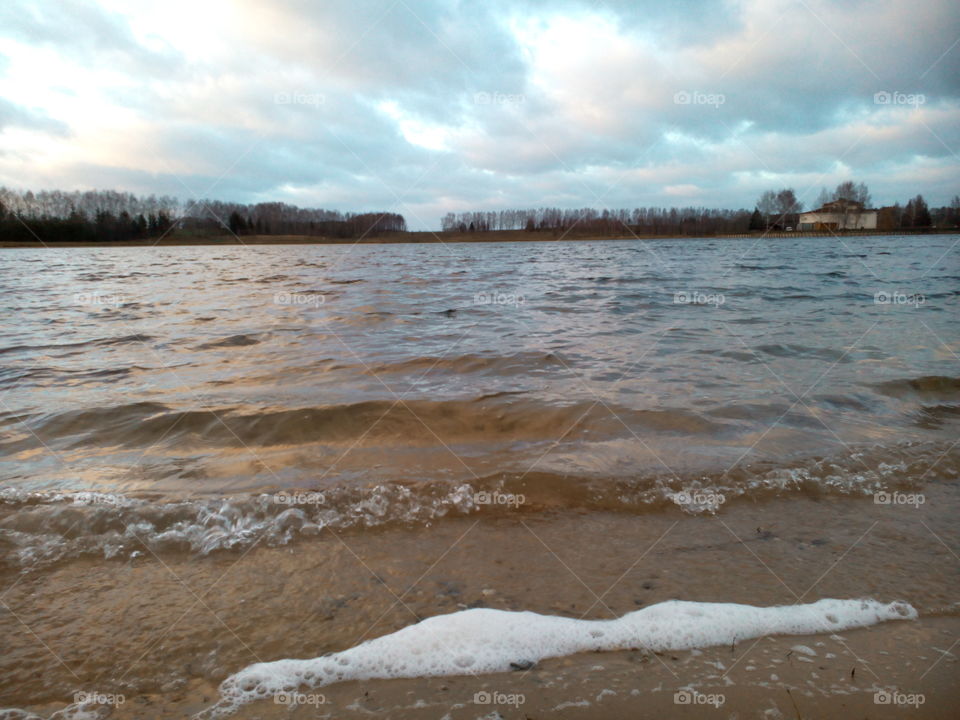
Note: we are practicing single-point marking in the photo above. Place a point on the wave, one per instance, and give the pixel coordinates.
(936, 416)
(41, 528)
(499, 365)
(387, 422)
(38, 529)
(99, 342)
(801, 351)
(744, 266)
(231, 341)
(925, 385)
(487, 641)
(512, 415)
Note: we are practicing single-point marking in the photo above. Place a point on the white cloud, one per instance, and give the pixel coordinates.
(434, 106)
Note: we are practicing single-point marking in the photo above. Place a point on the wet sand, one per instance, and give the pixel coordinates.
(164, 631)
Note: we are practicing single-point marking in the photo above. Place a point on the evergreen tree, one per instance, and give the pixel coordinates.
(906, 219)
(164, 222)
(921, 212)
(916, 214)
(236, 223)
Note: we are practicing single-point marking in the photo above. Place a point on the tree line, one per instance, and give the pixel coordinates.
(108, 216)
(607, 222)
(774, 210)
(52, 216)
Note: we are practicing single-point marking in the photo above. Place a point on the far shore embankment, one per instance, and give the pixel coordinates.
(426, 236)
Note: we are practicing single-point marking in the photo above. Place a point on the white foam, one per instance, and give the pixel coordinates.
(485, 641)
(54, 526)
(70, 712)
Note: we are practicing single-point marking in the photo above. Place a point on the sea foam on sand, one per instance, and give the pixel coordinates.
(484, 641)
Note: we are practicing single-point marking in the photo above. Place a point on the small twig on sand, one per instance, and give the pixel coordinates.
(790, 695)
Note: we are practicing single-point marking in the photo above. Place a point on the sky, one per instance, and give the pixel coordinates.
(425, 107)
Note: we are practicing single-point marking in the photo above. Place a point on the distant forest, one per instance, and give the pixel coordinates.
(640, 221)
(53, 216)
(774, 210)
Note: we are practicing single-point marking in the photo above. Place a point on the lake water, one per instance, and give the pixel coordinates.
(163, 404)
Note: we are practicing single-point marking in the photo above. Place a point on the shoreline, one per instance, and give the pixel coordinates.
(175, 640)
(428, 237)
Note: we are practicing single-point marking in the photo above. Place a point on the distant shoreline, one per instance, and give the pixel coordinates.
(425, 236)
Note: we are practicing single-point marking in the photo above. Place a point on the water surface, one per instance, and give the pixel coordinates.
(399, 380)
(214, 456)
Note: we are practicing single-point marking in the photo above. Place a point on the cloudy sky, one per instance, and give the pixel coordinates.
(429, 106)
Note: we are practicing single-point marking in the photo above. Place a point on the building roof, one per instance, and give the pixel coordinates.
(839, 206)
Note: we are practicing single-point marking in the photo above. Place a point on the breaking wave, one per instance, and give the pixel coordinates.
(39, 528)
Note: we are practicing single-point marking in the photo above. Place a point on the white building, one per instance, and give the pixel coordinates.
(842, 215)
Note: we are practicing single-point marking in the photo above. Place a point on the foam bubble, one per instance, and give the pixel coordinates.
(75, 711)
(485, 641)
(42, 528)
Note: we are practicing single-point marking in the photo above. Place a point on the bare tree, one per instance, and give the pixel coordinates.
(767, 205)
(824, 197)
(787, 206)
(850, 190)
